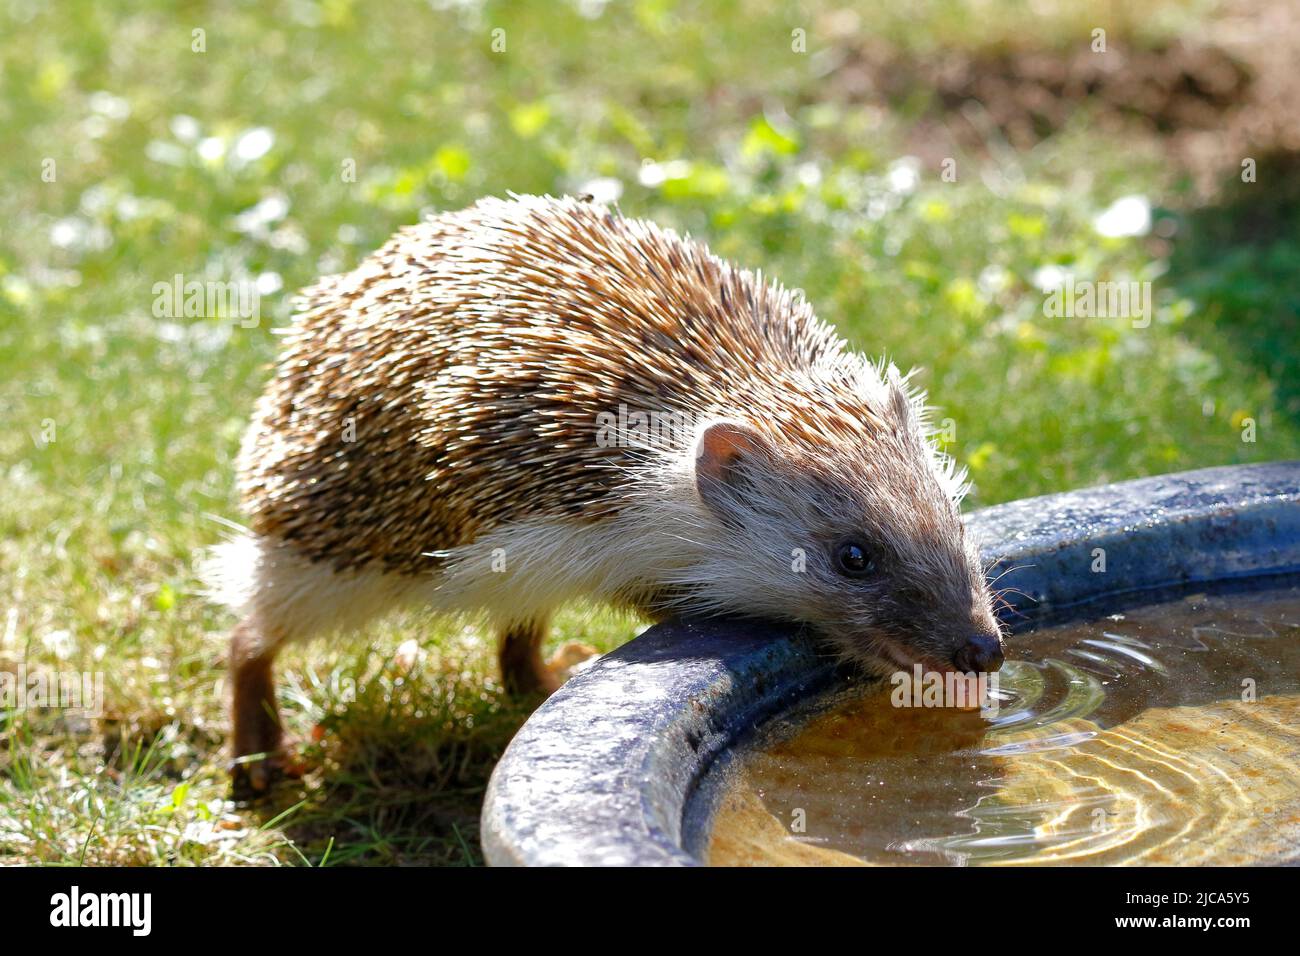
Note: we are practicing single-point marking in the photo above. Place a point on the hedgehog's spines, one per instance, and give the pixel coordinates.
(452, 382)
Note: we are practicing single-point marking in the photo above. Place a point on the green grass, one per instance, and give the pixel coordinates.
(100, 527)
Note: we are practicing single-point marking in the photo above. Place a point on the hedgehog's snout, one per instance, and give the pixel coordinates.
(981, 653)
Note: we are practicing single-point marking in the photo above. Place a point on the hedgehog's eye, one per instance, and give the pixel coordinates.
(853, 560)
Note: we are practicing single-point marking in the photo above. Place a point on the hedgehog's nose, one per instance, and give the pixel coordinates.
(981, 653)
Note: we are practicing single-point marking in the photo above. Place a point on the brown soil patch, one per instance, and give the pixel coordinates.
(1227, 93)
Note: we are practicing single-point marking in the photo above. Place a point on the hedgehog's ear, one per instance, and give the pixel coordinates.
(720, 452)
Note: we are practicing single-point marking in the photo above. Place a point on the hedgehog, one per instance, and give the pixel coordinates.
(536, 400)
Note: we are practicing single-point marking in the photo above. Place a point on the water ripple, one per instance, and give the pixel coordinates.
(1133, 740)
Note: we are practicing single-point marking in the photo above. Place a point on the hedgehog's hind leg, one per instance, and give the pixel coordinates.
(257, 737)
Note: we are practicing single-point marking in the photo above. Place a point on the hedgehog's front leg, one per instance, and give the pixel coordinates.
(519, 652)
(257, 737)
(523, 672)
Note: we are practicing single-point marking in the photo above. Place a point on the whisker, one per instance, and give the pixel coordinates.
(1017, 567)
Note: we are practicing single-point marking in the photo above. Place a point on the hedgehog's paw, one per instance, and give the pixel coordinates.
(572, 658)
(253, 776)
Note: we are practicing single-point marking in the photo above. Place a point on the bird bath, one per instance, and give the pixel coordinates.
(1148, 713)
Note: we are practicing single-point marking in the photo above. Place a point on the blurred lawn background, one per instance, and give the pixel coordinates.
(130, 158)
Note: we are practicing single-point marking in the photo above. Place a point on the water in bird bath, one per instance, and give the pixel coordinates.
(1167, 734)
